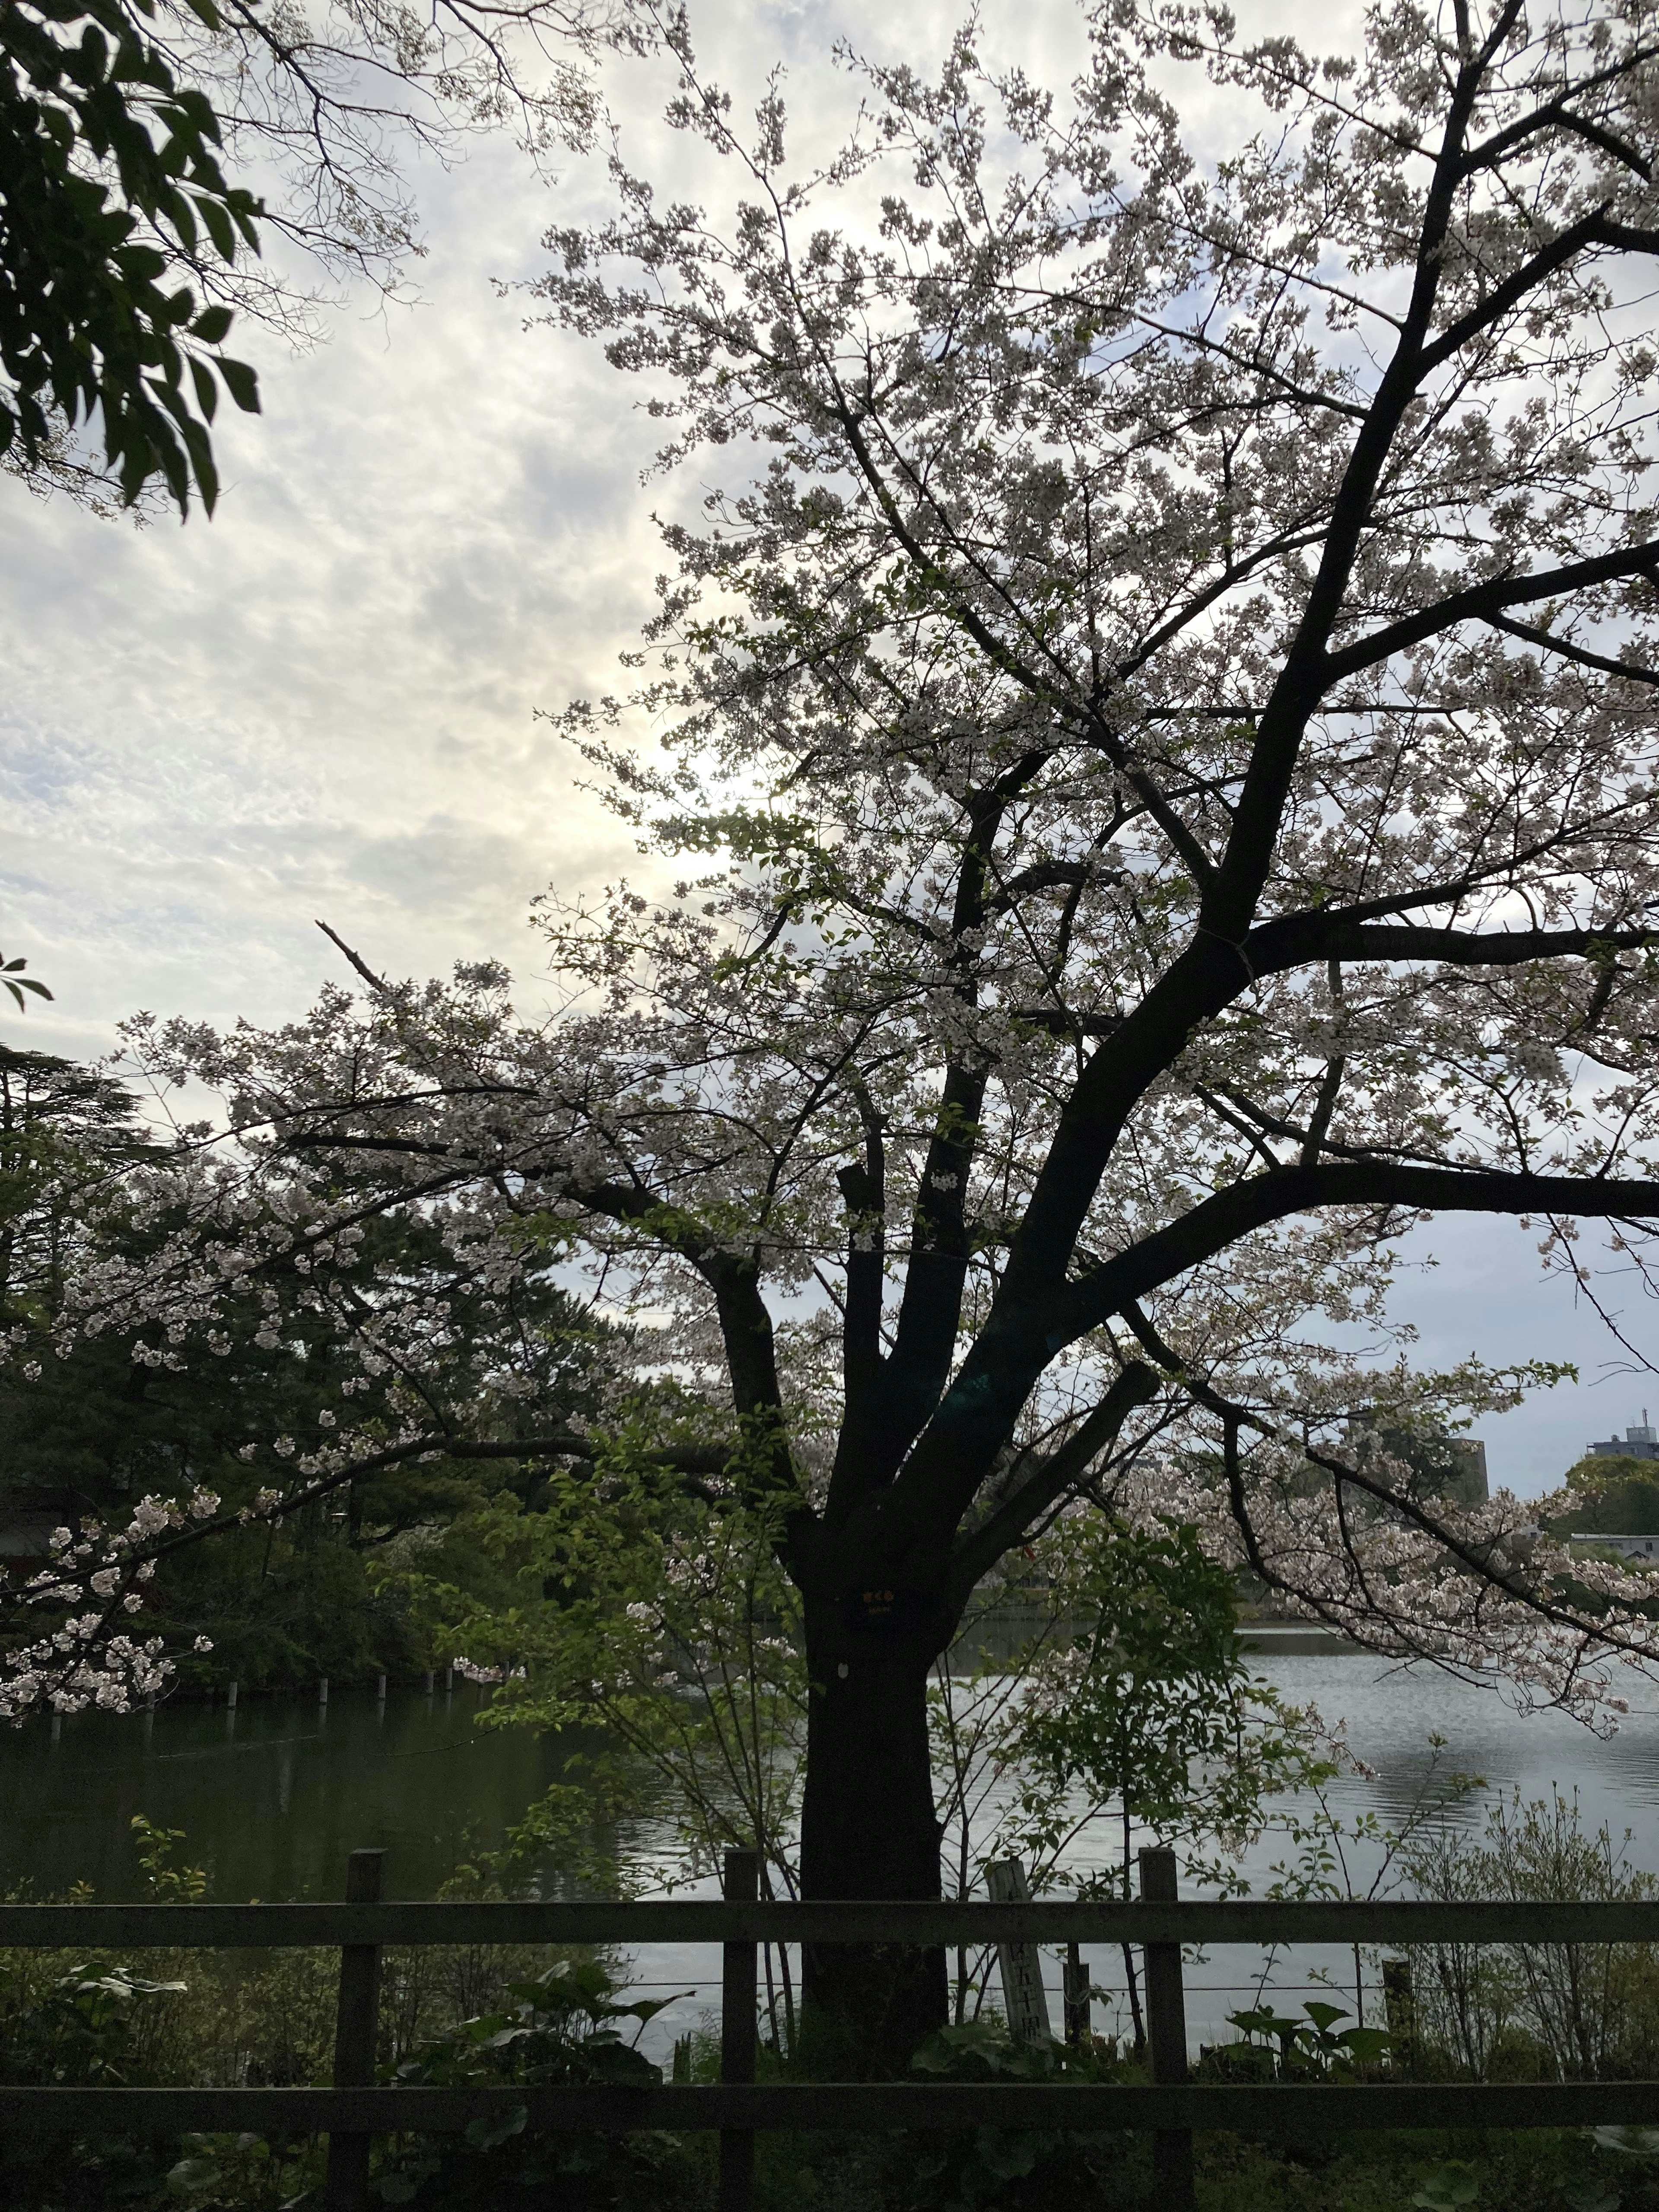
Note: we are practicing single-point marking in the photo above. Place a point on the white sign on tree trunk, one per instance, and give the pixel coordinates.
(1023, 1996)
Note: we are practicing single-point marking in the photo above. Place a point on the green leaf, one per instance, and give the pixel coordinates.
(17, 983)
(485, 2134)
(212, 325)
(1365, 2043)
(87, 197)
(647, 2008)
(219, 228)
(1588, 2193)
(206, 392)
(1262, 2023)
(178, 209)
(1447, 2187)
(241, 383)
(196, 110)
(138, 262)
(201, 455)
(246, 208)
(1631, 2142)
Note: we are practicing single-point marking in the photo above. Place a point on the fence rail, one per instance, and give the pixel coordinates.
(1278, 2110)
(710, 1920)
(1170, 2107)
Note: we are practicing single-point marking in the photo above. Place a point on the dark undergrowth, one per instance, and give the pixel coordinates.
(461, 2016)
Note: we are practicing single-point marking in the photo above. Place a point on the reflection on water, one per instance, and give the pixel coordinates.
(272, 1797)
(1392, 1713)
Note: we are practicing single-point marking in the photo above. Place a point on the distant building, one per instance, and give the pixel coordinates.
(1453, 1468)
(1641, 1442)
(1628, 1548)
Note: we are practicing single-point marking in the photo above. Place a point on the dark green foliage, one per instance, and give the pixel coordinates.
(111, 191)
(83, 2027)
(1281, 2048)
(81, 2030)
(1013, 2166)
(559, 2029)
(1619, 1495)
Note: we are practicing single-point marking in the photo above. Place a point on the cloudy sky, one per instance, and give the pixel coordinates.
(323, 704)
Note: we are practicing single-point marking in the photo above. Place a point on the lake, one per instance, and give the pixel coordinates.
(273, 1796)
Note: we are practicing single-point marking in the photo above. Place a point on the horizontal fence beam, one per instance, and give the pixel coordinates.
(234, 1927)
(1280, 2111)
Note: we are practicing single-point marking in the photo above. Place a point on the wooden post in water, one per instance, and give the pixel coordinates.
(740, 1885)
(1166, 2034)
(1023, 1996)
(346, 2186)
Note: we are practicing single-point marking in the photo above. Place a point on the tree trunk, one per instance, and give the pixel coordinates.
(868, 1830)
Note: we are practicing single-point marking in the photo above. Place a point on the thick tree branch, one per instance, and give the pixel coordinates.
(1259, 1200)
(865, 1190)
(745, 1321)
(982, 1548)
(1307, 672)
(1481, 601)
(1514, 289)
(1569, 650)
(1301, 939)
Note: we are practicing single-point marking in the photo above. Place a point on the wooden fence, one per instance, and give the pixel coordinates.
(1170, 2107)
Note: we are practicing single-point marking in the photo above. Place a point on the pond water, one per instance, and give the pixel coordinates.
(272, 1797)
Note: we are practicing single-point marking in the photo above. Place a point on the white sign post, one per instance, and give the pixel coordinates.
(1023, 1996)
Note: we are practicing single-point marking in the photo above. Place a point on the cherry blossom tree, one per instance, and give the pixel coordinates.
(1157, 735)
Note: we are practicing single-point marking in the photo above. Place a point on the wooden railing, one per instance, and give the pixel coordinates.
(1170, 2107)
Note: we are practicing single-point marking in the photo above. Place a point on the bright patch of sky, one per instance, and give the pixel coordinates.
(323, 704)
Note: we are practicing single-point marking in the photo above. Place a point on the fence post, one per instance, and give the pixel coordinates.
(1023, 1994)
(346, 2188)
(1166, 2033)
(740, 1885)
(1075, 1991)
(1400, 1998)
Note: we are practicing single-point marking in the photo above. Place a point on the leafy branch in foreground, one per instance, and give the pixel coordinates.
(12, 974)
(114, 213)
(129, 236)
